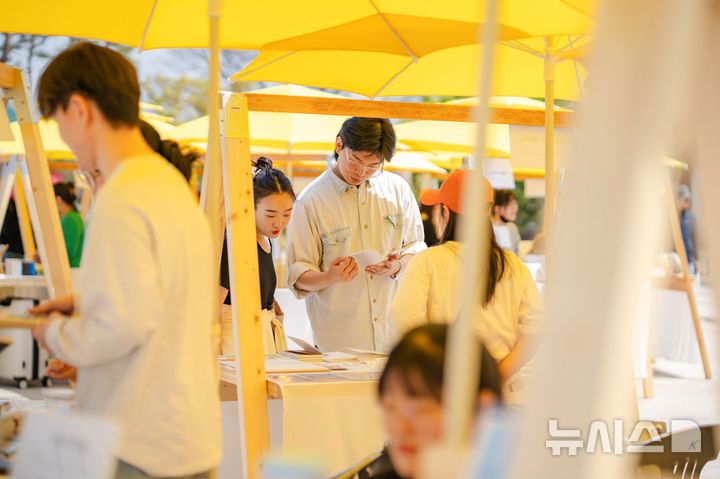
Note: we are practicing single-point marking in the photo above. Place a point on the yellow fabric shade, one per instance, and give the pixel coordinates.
(451, 72)
(424, 25)
(456, 137)
(53, 144)
(278, 132)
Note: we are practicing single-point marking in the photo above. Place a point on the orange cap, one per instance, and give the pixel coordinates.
(451, 191)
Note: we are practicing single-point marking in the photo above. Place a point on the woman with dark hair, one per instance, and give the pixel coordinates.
(72, 224)
(274, 197)
(505, 208)
(411, 395)
(168, 149)
(508, 311)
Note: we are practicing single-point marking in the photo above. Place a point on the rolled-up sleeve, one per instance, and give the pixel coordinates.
(120, 303)
(304, 248)
(532, 306)
(414, 233)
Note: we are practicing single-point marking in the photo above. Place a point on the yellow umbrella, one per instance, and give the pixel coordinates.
(414, 162)
(394, 26)
(459, 137)
(54, 146)
(278, 132)
(451, 71)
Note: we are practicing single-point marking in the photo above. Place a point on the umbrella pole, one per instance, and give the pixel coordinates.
(550, 187)
(212, 186)
(462, 363)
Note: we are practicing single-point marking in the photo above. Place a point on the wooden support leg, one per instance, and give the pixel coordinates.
(40, 194)
(24, 221)
(245, 284)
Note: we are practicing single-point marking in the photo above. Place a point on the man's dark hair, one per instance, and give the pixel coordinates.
(99, 74)
(375, 135)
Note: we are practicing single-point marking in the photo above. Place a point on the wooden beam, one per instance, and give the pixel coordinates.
(245, 284)
(40, 195)
(396, 109)
(8, 76)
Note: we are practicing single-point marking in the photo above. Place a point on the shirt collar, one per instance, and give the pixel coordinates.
(341, 186)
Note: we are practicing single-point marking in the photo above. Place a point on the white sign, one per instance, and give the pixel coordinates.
(54, 445)
(527, 144)
(499, 172)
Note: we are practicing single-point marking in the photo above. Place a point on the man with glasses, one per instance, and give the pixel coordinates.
(352, 207)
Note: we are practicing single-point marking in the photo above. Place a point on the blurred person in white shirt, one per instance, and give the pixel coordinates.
(140, 347)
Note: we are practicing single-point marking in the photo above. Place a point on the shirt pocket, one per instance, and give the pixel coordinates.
(394, 229)
(335, 243)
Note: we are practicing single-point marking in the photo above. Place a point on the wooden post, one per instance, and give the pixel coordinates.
(245, 285)
(686, 283)
(48, 231)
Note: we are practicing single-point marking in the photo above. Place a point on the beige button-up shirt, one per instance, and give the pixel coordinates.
(332, 218)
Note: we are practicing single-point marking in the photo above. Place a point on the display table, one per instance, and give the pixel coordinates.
(332, 418)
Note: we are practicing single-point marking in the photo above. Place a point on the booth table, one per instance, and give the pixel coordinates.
(332, 417)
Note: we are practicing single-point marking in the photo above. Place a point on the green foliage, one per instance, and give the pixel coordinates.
(530, 213)
(183, 98)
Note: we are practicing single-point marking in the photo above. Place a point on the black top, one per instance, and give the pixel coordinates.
(268, 280)
(380, 468)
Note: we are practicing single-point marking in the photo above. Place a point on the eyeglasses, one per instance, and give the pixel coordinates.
(89, 177)
(361, 168)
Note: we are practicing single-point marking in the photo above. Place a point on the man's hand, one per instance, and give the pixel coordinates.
(62, 305)
(388, 267)
(61, 371)
(343, 268)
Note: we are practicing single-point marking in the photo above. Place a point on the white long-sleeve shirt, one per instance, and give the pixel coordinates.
(142, 343)
(428, 293)
(332, 218)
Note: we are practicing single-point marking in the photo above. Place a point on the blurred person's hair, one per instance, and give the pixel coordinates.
(418, 363)
(97, 73)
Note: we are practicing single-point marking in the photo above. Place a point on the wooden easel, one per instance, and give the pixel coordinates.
(682, 282)
(31, 176)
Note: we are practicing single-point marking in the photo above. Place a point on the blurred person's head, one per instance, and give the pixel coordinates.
(683, 199)
(362, 146)
(274, 198)
(64, 198)
(411, 393)
(448, 211)
(89, 90)
(505, 206)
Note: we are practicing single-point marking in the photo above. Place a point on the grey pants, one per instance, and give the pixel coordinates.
(126, 471)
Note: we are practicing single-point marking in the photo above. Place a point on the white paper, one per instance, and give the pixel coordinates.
(305, 345)
(280, 364)
(499, 173)
(367, 257)
(68, 446)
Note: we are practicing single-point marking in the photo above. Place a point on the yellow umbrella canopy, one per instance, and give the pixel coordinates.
(53, 144)
(278, 132)
(461, 137)
(393, 26)
(451, 72)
